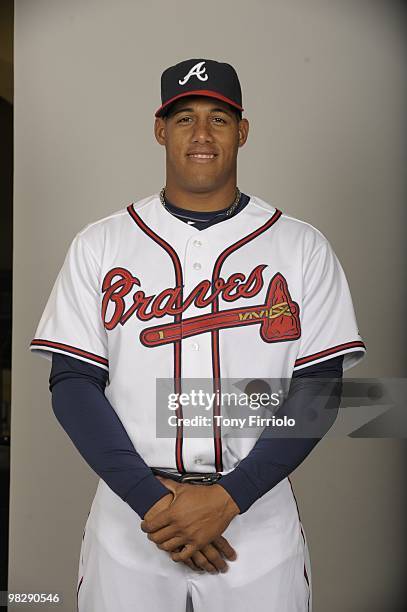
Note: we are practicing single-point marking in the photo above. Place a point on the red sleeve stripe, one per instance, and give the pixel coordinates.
(38, 342)
(331, 351)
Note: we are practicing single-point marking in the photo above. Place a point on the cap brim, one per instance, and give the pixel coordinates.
(199, 92)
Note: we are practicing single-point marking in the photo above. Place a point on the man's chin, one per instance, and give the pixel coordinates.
(202, 185)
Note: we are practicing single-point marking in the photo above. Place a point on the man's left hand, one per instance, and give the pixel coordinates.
(197, 515)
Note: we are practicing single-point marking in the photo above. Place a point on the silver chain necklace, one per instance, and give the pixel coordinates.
(228, 211)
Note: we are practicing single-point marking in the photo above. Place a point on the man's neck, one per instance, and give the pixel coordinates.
(205, 201)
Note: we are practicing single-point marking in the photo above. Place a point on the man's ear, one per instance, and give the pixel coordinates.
(159, 130)
(243, 131)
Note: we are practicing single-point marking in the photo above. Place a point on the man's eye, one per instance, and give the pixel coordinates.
(184, 120)
(219, 120)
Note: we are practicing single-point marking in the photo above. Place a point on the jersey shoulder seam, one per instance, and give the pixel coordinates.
(112, 216)
(119, 213)
(144, 202)
(259, 203)
(290, 218)
(267, 206)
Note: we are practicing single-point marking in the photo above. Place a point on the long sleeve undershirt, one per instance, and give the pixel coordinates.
(82, 409)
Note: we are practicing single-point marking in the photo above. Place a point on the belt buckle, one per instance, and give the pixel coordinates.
(202, 479)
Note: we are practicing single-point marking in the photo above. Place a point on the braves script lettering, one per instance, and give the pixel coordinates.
(278, 315)
(119, 282)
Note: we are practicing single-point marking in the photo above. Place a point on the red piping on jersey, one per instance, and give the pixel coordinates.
(69, 349)
(215, 333)
(177, 318)
(330, 351)
(303, 538)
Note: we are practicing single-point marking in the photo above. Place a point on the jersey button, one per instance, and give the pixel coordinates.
(197, 243)
(195, 346)
(197, 266)
(198, 460)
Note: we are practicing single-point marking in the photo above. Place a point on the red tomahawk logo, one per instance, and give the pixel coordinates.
(278, 319)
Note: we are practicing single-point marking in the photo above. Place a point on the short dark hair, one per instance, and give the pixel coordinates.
(237, 112)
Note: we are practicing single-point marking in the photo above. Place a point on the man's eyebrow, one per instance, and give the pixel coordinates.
(220, 110)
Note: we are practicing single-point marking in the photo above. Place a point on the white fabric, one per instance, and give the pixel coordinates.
(291, 248)
(71, 319)
(121, 570)
(299, 312)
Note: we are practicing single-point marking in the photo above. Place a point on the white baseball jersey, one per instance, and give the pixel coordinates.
(145, 296)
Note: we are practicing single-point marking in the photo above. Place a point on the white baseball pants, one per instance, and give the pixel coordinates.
(120, 570)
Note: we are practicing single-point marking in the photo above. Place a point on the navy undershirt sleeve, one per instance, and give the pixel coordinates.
(82, 409)
(313, 401)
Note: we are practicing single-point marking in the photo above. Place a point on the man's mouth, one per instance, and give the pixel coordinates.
(202, 156)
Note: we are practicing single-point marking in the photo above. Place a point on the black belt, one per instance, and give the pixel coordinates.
(201, 478)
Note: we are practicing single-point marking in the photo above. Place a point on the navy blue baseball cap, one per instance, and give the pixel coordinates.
(201, 77)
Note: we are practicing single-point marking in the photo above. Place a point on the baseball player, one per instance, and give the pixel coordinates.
(198, 282)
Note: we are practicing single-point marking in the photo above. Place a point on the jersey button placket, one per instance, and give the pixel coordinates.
(195, 272)
(196, 350)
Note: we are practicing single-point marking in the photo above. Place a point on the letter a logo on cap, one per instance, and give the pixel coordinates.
(198, 70)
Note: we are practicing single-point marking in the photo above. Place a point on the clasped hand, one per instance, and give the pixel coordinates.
(189, 526)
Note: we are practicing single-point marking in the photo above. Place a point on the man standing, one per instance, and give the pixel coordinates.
(199, 281)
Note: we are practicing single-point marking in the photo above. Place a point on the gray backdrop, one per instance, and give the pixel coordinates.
(324, 88)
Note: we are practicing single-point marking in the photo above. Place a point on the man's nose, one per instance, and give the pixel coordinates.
(202, 131)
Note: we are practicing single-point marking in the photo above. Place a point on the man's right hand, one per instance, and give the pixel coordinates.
(211, 557)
